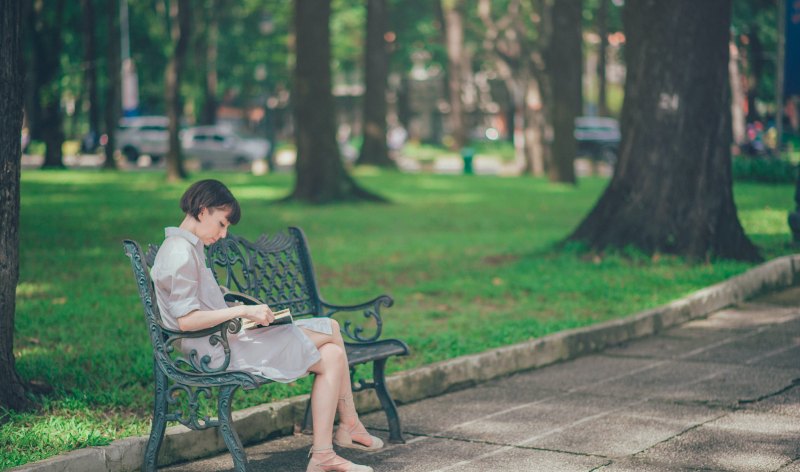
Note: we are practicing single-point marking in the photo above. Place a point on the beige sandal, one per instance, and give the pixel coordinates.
(332, 463)
(345, 438)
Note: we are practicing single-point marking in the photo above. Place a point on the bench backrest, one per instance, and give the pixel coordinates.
(275, 269)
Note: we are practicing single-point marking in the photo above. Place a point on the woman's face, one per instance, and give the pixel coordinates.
(213, 225)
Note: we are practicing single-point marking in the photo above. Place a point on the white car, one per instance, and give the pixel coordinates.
(140, 135)
(219, 146)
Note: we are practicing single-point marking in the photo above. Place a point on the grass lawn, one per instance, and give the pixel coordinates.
(453, 251)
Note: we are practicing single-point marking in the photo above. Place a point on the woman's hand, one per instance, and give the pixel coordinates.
(260, 314)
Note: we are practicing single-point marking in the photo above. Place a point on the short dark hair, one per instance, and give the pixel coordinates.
(211, 194)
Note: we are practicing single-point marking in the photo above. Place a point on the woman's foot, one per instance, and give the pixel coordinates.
(355, 436)
(325, 460)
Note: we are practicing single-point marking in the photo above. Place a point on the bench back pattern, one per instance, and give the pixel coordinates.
(275, 269)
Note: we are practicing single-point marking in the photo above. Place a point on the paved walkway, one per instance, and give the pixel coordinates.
(718, 394)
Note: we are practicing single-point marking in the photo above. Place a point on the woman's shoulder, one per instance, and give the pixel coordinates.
(175, 251)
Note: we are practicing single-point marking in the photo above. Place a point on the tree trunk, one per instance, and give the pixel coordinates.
(88, 21)
(180, 17)
(374, 150)
(672, 189)
(321, 176)
(12, 394)
(564, 67)
(208, 58)
(755, 54)
(113, 72)
(602, 83)
(739, 100)
(48, 23)
(453, 14)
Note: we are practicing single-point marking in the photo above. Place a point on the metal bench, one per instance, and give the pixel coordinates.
(278, 271)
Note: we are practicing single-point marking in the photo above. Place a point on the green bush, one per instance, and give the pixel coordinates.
(759, 169)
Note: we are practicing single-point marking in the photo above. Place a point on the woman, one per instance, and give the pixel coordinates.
(190, 299)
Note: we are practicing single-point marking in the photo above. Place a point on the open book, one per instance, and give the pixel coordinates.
(281, 317)
(238, 298)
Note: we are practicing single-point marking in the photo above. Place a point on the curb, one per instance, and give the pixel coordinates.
(274, 419)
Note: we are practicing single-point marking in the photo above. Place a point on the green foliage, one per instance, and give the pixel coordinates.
(450, 249)
(768, 170)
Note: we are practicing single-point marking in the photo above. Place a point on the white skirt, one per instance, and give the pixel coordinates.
(280, 353)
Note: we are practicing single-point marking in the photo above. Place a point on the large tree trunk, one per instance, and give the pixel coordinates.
(113, 72)
(207, 55)
(47, 40)
(672, 189)
(180, 16)
(602, 82)
(452, 11)
(12, 394)
(564, 67)
(374, 150)
(321, 176)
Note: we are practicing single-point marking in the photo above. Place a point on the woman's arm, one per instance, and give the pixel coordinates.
(201, 319)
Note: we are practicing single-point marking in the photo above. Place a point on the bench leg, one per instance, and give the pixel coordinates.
(389, 407)
(308, 419)
(226, 428)
(159, 422)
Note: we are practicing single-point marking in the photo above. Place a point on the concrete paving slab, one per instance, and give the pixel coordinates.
(729, 445)
(609, 434)
(759, 349)
(747, 315)
(518, 424)
(521, 459)
(793, 466)
(459, 407)
(581, 373)
(671, 345)
(636, 464)
(711, 383)
(785, 404)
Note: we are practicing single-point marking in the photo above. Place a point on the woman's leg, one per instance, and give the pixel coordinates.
(348, 416)
(325, 392)
(330, 370)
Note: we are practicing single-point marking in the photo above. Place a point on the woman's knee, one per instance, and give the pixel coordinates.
(332, 353)
(336, 332)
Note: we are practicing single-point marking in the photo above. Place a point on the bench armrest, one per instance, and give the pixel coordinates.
(199, 365)
(231, 296)
(369, 309)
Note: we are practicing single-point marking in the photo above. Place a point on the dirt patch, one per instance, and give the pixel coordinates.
(500, 259)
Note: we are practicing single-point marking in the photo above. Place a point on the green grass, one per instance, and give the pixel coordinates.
(453, 251)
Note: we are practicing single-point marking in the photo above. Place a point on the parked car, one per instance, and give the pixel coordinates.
(143, 135)
(221, 146)
(598, 137)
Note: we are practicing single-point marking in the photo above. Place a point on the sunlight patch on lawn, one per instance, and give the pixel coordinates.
(31, 290)
(764, 221)
(259, 192)
(70, 178)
